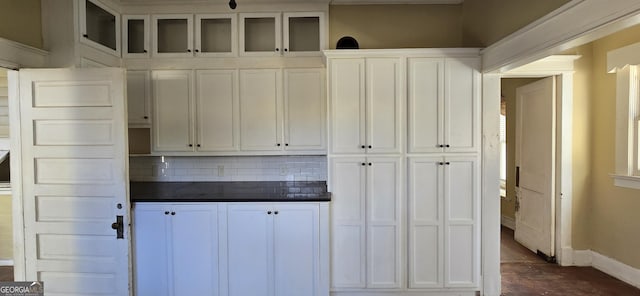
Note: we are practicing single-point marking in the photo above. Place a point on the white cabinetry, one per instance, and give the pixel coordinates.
(170, 257)
(443, 105)
(139, 98)
(273, 249)
(261, 34)
(172, 99)
(260, 109)
(304, 109)
(217, 110)
(366, 105)
(216, 35)
(366, 222)
(136, 36)
(443, 222)
(99, 26)
(172, 35)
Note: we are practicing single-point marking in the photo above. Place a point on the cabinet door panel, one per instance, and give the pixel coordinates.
(250, 250)
(296, 234)
(195, 253)
(217, 110)
(304, 109)
(172, 110)
(461, 105)
(383, 103)
(461, 269)
(138, 97)
(260, 107)
(348, 257)
(426, 92)
(425, 222)
(347, 106)
(383, 222)
(151, 236)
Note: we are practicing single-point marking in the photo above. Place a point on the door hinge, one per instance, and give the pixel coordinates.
(517, 206)
(549, 259)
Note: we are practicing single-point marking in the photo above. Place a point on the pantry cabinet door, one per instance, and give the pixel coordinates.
(347, 106)
(139, 98)
(151, 246)
(462, 116)
(348, 222)
(384, 92)
(172, 92)
(426, 105)
(217, 112)
(260, 110)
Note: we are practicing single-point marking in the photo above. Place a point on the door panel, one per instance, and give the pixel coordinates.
(383, 104)
(75, 253)
(172, 92)
(535, 147)
(347, 106)
(426, 105)
(217, 110)
(461, 128)
(260, 109)
(152, 250)
(305, 104)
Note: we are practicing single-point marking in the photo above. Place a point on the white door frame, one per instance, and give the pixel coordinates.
(576, 23)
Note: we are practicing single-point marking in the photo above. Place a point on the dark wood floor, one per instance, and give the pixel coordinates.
(523, 274)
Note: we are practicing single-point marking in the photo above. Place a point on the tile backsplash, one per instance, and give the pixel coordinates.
(236, 168)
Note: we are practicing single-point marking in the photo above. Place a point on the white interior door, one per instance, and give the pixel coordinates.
(74, 179)
(535, 158)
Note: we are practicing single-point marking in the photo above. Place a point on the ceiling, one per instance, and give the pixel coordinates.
(332, 2)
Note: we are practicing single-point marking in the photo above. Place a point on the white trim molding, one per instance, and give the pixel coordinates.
(6, 262)
(16, 55)
(373, 2)
(632, 182)
(575, 23)
(508, 222)
(610, 266)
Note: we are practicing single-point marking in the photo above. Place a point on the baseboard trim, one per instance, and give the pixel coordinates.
(6, 262)
(508, 222)
(610, 266)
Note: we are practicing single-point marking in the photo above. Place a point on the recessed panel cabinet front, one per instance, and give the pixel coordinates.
(366, 223)
(171, 258)
(172, 92)
(304, 109)
(366, 108)
(217, 112)
(273, 249)
(260, 105)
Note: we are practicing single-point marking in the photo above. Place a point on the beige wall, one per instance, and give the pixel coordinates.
(487, 21)
(20, 21)
(508, 88)
(6, 233)
(397, 26)
(614, 222)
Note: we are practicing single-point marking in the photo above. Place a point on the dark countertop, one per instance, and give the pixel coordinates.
(229, 191)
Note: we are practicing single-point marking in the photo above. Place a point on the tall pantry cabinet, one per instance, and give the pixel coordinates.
(404, 171)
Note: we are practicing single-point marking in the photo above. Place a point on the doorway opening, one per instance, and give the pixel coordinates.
(6, 225)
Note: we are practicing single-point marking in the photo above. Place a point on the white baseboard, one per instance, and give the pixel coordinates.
(508, 222)
(610, 266)
(6, 262)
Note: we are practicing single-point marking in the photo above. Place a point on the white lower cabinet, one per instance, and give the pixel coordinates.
(273, 249)
(176, 249)
(366, 221)
(443, 222)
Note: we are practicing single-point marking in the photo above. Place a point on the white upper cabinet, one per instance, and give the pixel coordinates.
(99, 26)
(216, 35)
(172, 100)
(366, 105)
(172, 35)
(304, 109)
(443, 105)
(217, 110)
(139, 98)
(275, 34)
(260, 109)
(136, 36)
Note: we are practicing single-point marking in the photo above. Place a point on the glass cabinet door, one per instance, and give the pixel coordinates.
(216, 35)
(260, 34)
(173, 35)
(135, 42)
(99, 26)
(304, 33)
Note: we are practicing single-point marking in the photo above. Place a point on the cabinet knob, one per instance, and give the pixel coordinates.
(268, 212)
(447, 145)
(85, 35)
(144, 50)
(190, 145)
(441, 163)
(277, 49)
(166, 212)
(278, 144)
(447, 163)
(369, 146)
(188, 50)
(198, 145)
(286, 144)
(363, 146)
(146, 117)
(364, 164)
(441, 146)
(197, 50)
(286, 49)
(276, 212)
(173, 213)
(369, 164)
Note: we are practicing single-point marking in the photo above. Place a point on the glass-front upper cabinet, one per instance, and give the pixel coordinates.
(289, 34)
(216, 35)
(260, 34)
(99, 26)
(135, 41)
(172, 35)
(304, 33)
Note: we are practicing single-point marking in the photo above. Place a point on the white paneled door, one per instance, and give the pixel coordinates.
(74, 180)
(535, 158)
